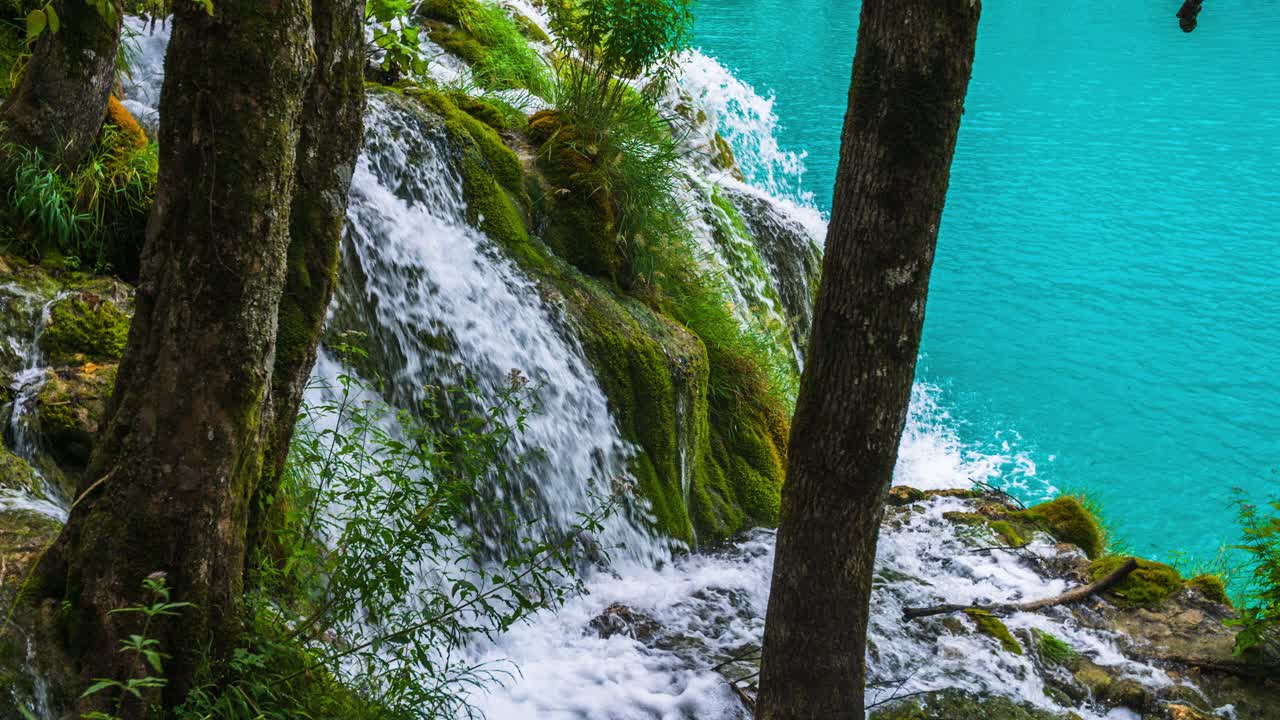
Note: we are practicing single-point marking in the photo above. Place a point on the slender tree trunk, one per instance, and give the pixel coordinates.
(910, 75)
(58, 105)
(169, 483)
(332, 129)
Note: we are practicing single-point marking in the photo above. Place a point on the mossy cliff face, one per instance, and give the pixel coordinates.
(705, 469)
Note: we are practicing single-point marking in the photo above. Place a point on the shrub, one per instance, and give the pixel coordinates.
(371, 586)
(609, 42)
(1259, 608)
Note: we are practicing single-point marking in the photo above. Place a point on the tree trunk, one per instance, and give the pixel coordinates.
(910, 75)
(332, 129)
(169, 483)
(58, 105)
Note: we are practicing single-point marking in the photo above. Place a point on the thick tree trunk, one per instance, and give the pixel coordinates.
(910, 75)
(169, 483)
(332, 129)
(58, 105)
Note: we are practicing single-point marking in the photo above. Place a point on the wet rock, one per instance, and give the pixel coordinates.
(16, 474)
(26, 644)
(618, 619)
(957, 705)
(70, 408)
(900, 495)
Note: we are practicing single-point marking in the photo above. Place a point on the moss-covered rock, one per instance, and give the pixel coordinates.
(1068, 521)
(70, 408)
(581, 217)
(1147, 586)
(493, 43)
(1052, 649)
(1211, 587)
(90, 324)
(16, 474)
(994, 627)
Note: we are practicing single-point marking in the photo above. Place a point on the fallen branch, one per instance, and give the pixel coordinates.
(1068, 597)
(998, 491)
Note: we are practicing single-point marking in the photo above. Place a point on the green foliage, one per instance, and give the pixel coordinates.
(142, 646)
(86, 213)
(606, 42)
(1146, 587)
(369, 549)
(1259, 620)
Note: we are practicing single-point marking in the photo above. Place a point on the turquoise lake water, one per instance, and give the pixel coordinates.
(1106, 295)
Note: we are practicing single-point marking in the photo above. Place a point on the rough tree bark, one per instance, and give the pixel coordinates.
(332, 130)
(58, 105)
(910, 75)
(171, 479)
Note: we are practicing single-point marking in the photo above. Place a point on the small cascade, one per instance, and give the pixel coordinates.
(30, 311)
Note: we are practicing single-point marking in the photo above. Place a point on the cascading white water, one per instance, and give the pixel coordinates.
(441, 295)
(24, 347)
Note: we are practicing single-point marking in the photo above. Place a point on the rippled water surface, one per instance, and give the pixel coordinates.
(1105, 297)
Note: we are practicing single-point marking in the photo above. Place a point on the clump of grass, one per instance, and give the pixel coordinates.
(91, 215)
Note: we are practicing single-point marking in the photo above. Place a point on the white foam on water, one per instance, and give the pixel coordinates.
(748, 122)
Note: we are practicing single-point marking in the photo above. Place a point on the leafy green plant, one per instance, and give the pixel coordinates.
(142, 646)
(608, 43)
(1259, 608)
(373, 585)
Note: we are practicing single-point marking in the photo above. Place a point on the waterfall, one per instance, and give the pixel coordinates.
(437, 299)
(31, 311)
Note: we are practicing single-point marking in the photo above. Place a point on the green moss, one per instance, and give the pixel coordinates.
(994, 627)
(1148, 586)
(85, 326)
(1051, 649)
(582, 219)
(16, 474)
(1211, 587)
(1067, 520)
(1009, 533)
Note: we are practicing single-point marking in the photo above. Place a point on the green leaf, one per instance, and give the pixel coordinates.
(36, 23)
(98, 687)
(52, 15)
